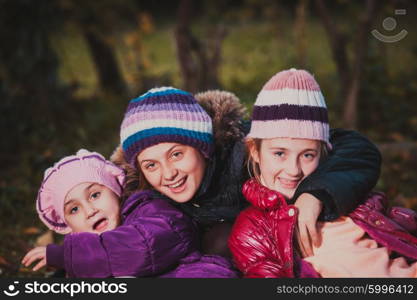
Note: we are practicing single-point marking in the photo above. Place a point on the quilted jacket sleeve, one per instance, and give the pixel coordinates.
(152, 240)
(346, 176)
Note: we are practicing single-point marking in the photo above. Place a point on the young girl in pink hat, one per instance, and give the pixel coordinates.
(146, 236)
(288, 140)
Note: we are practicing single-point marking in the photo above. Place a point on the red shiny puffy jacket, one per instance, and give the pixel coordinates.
(261, 237)
(261, 240)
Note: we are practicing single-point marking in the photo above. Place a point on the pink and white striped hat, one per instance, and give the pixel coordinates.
(291, 105)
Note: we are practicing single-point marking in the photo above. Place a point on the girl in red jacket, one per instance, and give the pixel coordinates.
(289, 137)
(167, 127)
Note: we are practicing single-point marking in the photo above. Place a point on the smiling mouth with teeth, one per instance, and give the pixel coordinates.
(177, 184)
(289, 183)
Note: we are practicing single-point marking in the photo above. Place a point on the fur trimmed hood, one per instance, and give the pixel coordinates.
(227, 114)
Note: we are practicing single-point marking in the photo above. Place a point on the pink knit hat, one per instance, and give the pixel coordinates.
(290, 105)
(84, 166)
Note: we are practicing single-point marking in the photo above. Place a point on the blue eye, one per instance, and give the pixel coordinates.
(279, 153)
(309, 156)
(177, 154)
(95, 195)
(150, 166)
(74, 210)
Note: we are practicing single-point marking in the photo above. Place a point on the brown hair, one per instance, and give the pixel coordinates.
(135, 180)
(254, 144)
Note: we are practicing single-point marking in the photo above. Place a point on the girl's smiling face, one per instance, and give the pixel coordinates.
(175, 170)
(285, 162)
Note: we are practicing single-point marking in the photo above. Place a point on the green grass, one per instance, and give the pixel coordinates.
(160, 55)
(76, 65)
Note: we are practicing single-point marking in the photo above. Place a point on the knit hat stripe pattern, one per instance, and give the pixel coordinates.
(160, 92)
(292, 79)
(291, 128)
(148, 124)
(291, 112)
(184, 108)
(166, 131)
(291, 96)
(290, 105)
(165, 114)
(162, 98)
(84, 166)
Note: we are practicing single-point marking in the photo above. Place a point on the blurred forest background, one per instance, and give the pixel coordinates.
(69, 67)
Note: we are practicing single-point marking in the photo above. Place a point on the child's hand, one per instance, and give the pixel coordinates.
(309, 208)
(38, 253)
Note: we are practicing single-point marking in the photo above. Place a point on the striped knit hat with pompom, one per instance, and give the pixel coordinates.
(165, 115)
(290, 105)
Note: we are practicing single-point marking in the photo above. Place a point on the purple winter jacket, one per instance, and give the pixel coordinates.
(154, 240)
(392, 227)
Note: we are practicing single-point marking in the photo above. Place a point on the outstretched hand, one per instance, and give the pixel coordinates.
(309, 208)
(38, 253)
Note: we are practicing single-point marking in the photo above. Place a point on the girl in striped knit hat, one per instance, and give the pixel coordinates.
(191, 149)
(288, 140)
(144, 237)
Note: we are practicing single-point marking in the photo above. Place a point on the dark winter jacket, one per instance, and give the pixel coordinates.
(155, 239)
(262, 238)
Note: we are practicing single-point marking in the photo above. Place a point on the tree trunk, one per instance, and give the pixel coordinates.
(108, 72)
(299, 32)
(214, 61)
(338, 47)
(350, 117)
(349, 77)
(184, 42)
(199, 62)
